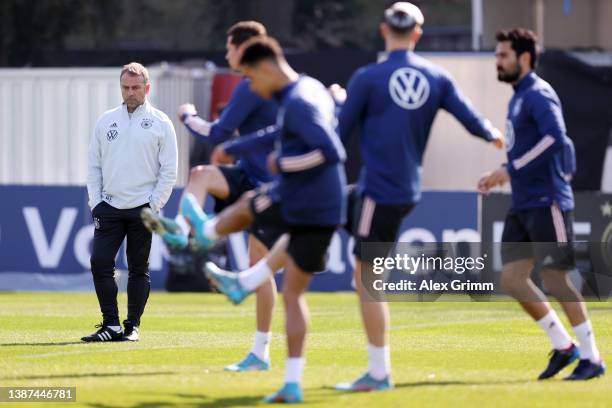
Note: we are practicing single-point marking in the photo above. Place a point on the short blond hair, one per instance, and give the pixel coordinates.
(136, 69)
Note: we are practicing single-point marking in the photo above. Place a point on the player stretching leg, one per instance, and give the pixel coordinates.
(246, 112)
(307, 203)
(376, 206)
(540, 161)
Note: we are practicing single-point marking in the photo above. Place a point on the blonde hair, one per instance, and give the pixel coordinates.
(136, 69)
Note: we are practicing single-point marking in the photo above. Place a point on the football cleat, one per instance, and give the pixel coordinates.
(559, 359)
(366, 383)
(585, 370)
(291, 393)
(103, 334)
(131, 332)
(167, 228)
(192, 211)
(226, 282)
(250, 363)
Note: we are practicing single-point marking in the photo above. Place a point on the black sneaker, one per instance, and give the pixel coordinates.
(131, 332)
(585, 370)
(104, 334)
(559, 359)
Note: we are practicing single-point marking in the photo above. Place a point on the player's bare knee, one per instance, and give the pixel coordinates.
(199, 172)
(245, 198)
(551, 279)
(196, 171)
(291, 297)
(242, 207)
(510, 281)
(268, 289)
(556, 282)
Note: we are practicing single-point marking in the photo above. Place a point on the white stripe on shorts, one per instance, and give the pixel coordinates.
(559, 223)
(367, 213)
(262, 202)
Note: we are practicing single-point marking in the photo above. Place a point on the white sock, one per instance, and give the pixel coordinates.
(294, 370)
(261, 345)
(586, 338)
(116, 329)
(379, 362)
(255, 276)
(210, 231)
(182, 222)
(552, 325)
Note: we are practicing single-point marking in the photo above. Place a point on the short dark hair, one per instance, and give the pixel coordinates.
(243, 30)
(522, 40)
(258, 49)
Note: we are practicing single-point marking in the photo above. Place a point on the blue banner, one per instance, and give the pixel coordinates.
(49, 231)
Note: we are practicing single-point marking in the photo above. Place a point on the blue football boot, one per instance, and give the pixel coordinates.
(226, 282)
(167, 228)
(193, 213)
(291, 393)
(250, 363)
(585, 370)
(559, 359)
(366, 383)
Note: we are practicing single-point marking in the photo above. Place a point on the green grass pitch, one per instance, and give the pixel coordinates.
(443, 354)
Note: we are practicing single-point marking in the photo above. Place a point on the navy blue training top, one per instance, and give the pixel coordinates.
(310, 156)
(246, 112)
(395, 103)
(541, 157)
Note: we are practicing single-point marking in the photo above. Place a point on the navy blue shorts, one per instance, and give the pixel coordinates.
(308, 244)
(238, 183)
(368, 221)
(544, 234)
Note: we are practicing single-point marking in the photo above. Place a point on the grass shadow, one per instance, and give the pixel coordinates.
(438, 384)
(197, 401)
(229, 402)
(64, 343)
(457, 383)
(87, 375)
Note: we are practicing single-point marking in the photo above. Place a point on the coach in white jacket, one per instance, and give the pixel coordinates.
(132, 165)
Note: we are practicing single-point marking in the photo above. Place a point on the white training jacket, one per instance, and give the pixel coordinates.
(132, 160)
